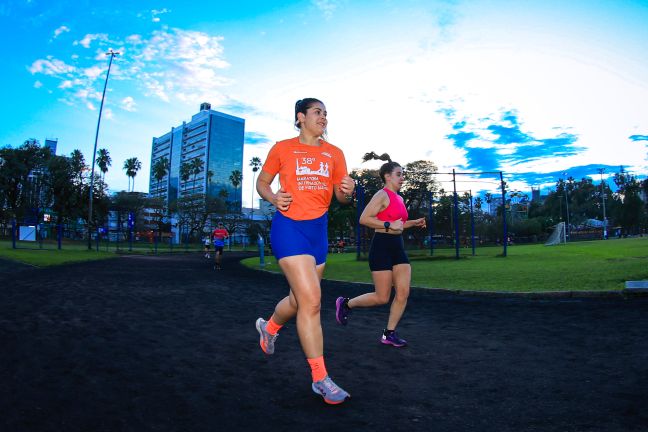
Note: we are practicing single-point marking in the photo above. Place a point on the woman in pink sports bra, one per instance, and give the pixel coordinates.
(387, 215)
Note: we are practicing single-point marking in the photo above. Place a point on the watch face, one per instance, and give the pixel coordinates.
(387, 225)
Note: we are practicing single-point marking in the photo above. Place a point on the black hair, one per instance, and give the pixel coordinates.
(302, 105)
(385, 168)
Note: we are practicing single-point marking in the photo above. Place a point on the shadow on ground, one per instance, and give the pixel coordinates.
(169, 344)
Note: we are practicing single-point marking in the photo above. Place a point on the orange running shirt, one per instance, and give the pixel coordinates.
(308, 173)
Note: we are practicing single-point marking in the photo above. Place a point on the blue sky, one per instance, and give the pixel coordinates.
(534, 88)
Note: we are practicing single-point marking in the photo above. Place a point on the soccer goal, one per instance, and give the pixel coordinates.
(558, 235)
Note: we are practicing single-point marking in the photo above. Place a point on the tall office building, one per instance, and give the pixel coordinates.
(215, 138)
(51, 143)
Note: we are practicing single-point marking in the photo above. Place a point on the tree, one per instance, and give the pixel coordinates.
(77, 160)
(196, 167)
(255, 163)
(103, 162)
(478, 203)
(185, 173)
(60, 194)
(210, 177)
(131, 166)
(160, 170)
(236, 178)
(488, 197)
(419, 182)
(124, 203)
(628, 208)
(21, 172)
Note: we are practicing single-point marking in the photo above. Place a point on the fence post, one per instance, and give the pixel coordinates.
(360, 200)
(504, 226)
(13, 233)
(261, 251)
(431, 224)
(456, 214)
(472, 224)
(59, 234)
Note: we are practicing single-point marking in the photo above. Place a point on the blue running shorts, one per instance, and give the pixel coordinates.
(290, 237)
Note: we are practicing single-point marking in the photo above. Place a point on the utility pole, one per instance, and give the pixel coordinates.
(567, 232)
(605, 236)
(112, 55)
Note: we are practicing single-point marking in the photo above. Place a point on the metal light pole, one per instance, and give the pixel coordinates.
(112, 55)
(567, 232)
(601, 171)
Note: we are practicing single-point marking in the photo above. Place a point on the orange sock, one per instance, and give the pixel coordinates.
(318, 369)
(272, 327)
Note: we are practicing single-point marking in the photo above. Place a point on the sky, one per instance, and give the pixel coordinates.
(539, 90)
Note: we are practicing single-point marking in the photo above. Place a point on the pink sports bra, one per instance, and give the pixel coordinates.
(395, 210)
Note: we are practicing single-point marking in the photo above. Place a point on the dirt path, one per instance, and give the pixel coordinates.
(169, 344)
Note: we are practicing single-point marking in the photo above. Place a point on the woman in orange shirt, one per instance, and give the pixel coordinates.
(310, 171)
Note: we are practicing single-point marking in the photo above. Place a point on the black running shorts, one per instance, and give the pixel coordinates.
(386, 251)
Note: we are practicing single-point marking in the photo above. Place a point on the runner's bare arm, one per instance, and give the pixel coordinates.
(280, 200)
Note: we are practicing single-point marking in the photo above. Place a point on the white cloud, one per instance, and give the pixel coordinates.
(38, 84)
(50, 66)
(108, 113)
(134, 39)
(155, 13)
(327, 7)
(128, 104)
(65, 84)
(90, 106)
(175, 63)
(87, 40)
(60, 30)
(93, 72)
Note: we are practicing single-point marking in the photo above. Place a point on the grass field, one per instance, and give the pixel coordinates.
(50, 256)
(579, 266)
(76, 251)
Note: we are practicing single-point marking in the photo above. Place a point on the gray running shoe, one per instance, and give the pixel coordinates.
(266, 340)
(331, 393)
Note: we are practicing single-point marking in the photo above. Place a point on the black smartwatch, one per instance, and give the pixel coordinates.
(387, 224)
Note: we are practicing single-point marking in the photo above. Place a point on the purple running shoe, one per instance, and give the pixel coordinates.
(391, 338)
(342, 311)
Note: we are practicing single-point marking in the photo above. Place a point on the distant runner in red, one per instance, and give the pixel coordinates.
(219, 235)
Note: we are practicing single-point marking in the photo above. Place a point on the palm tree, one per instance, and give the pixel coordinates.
(131, 166)
(196, 165)
(103, 162)
(160, 170)
(185, 173)
(236, 178)
(210, 177)
(489, 200)
(478, 203)
(255, 163)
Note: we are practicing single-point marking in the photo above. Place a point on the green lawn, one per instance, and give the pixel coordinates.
(579, 266)
(76, 251)
(49, 255)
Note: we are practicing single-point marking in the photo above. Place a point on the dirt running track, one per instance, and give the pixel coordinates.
(169, 344)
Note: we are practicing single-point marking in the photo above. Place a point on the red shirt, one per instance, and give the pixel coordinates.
(219, 235)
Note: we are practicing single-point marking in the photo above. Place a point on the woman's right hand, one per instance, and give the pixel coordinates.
(282, 199)
(396, 227)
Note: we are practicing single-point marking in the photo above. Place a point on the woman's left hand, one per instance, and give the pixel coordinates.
(347, 185)
(419, 222)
